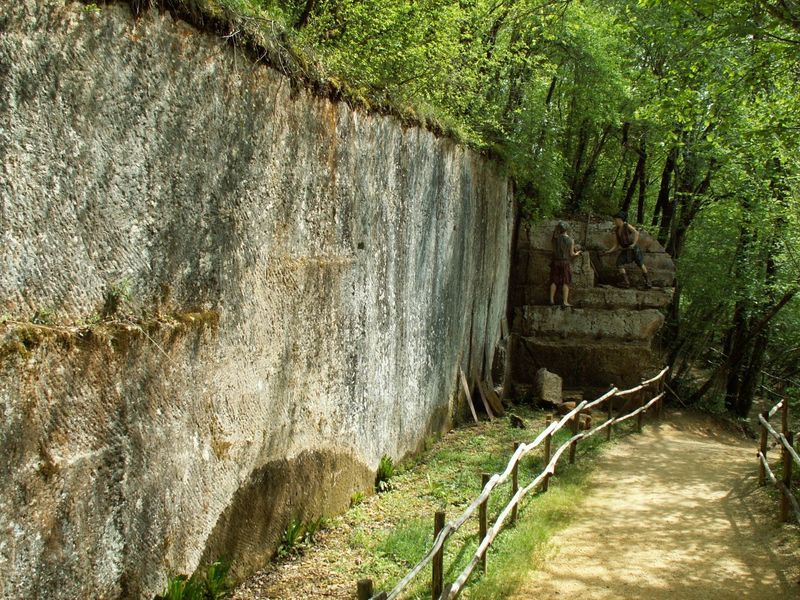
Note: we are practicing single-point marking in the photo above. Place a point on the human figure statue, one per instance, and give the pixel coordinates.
(560, 267)
(626, 240)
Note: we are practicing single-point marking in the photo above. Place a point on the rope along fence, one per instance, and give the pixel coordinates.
(435, 556)
(789, 455)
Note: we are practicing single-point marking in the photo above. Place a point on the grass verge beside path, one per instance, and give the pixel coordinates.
(385, 535)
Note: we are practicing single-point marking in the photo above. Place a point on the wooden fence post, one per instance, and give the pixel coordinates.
(762, 471)
(547, 452)
(787, 478)
(437, 566)
(483, 518)
(573, 447)
(515, 484)
(364, 589)
(660, 402)
(640, 416)
(610, 428)
(785, 416)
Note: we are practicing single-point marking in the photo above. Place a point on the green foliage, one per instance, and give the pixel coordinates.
(218, 581)
(117, 296)
(356, 498)
(181, 587)
(216, 585)
(292, 538)
(298, 535)
(44, 316)
(384, 474)
(313, 527)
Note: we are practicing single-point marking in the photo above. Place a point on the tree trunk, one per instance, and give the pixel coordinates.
(733, 360)
(691, 202)
(663, 192)
(734, 342)
(577, 163)
(642, 180)
(307, 10)
(591, 165)
(749, 377)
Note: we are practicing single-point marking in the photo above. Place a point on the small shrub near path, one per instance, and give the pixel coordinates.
(385, 535)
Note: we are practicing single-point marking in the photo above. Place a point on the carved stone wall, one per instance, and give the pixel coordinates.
(340, 266)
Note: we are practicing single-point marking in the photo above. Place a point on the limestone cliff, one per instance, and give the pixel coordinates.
(607, 337)
(308, 280)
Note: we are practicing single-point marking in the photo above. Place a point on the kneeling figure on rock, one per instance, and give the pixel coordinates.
(626, 240)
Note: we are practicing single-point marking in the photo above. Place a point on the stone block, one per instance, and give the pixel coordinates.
(547, 386)
(585, 363)
(588, 323)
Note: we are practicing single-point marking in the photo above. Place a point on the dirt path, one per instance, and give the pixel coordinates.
(688, 523)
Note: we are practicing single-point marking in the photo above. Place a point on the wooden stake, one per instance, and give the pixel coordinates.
(787, 479)
(483, 518)
(437, 566)
(364, 589)
(469, 396)
(548, 441)
(610, 428)
(492, 398)
(514, 484)
(762, 472)
(485, 400)
(640, 416)
(573, 447)
(660, 403)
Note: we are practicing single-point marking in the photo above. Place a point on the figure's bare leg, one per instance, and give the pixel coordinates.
(624, 276)
(552, 293)
(565, 295)
(646, 277)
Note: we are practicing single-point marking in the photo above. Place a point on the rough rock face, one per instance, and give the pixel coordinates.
(607, 337)
(312, 278)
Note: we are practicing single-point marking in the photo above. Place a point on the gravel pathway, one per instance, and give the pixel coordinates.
(674, 513)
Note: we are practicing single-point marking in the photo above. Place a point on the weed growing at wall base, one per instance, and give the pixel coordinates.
(291, 539)
(383, 476)
(215, 584)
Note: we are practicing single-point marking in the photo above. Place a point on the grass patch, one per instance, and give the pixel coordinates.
(382, 536)
(448, 476)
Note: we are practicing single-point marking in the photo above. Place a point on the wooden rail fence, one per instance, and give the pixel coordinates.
(789, 455)
(442, 531)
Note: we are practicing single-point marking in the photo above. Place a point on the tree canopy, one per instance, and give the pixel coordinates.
(685, 113)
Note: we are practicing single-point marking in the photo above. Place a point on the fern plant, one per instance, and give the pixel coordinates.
(313, 527)
(218, 582)
(383, 476)
(292, 538)
(181, 587)
(216, 585)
